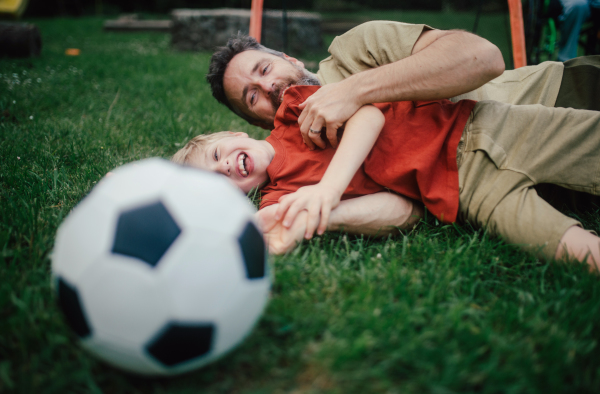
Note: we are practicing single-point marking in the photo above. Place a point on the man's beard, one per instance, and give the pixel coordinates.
(302, 77)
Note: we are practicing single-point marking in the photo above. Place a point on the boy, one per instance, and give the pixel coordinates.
(468, 161)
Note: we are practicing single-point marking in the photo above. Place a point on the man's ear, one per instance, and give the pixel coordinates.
(293, 60)
(238, 134)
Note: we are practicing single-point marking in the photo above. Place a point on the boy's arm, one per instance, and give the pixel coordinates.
(375, 214)
(360, 134)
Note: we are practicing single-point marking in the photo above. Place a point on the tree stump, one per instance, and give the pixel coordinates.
(20, 40)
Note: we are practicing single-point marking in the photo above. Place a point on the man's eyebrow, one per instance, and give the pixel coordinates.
(245, 90)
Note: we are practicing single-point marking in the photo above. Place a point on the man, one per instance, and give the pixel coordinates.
(391, 61)
(388, 61)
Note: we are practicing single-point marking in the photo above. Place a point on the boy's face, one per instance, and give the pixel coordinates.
(242, 159)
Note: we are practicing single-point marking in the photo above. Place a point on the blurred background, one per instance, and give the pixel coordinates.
(107, 7)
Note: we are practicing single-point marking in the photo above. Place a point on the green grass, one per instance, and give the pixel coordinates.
(441, 309)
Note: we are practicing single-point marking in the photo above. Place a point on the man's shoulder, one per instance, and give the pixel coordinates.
(369, 45)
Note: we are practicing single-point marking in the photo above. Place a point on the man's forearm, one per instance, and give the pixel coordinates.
(443, 64)
(375, 214)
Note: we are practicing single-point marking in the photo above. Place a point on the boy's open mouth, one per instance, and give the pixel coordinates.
(243, 160)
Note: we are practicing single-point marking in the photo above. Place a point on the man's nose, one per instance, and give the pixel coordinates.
(267, 85)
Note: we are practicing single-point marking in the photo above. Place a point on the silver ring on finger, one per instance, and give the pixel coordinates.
(314, 131)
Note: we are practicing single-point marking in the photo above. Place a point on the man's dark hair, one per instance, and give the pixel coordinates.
(220, 60)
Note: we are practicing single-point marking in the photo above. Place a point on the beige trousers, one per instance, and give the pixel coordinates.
(506, 150)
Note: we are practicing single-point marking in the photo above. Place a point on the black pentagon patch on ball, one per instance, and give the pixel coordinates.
(145, 233)
(69, 303)
(181, 342)
(253, 251)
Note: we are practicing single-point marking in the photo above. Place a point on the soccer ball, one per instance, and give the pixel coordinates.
(161, 269)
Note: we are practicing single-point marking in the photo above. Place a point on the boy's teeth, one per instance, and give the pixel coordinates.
(241, 164)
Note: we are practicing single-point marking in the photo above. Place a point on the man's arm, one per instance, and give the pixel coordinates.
(442, 64)
(375, 214)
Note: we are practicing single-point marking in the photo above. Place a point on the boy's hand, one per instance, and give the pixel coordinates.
(317, 199)
(281, 240)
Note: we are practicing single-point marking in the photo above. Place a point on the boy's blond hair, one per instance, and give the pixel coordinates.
(197, 145)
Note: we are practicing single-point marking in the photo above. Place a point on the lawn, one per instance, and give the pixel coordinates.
(441, 309)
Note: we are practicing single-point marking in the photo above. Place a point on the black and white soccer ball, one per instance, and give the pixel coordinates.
(161, 269)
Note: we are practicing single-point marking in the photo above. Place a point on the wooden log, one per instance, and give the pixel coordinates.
(20, 40)
(137, 25)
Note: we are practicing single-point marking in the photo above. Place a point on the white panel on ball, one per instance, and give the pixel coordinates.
(124, 299)
(194, 194)
(78, 243)
(239, 318)
(137, 183)
(129, 357)
(202, 284)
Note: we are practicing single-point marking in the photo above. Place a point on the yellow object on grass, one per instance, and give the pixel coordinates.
(72, 52)
(12, 8)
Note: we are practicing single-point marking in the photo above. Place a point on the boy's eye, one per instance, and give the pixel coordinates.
(215, 156)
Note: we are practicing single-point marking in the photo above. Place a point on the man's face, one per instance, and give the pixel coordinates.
(255, 81)
(242, 159)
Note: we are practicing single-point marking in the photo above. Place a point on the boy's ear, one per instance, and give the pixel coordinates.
(238, 134)
(293, 60)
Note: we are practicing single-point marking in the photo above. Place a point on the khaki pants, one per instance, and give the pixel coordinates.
(508, 149)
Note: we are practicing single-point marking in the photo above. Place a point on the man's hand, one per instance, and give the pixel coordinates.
(442, 64)
(377, 214)
(330, 106)
(317, 200)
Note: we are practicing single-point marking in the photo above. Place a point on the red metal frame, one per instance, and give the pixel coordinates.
(256, 19)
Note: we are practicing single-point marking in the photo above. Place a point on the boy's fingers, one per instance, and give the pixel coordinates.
(311, 222)
(324, 219)
(284, 204)
(290, 216)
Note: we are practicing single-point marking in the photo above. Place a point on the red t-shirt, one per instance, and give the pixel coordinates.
(415, 154)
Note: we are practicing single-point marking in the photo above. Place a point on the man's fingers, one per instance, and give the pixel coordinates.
(304, 113)
(305, 120)
(314, 132)
(332, 135)
(307, 140)
(317, 140)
